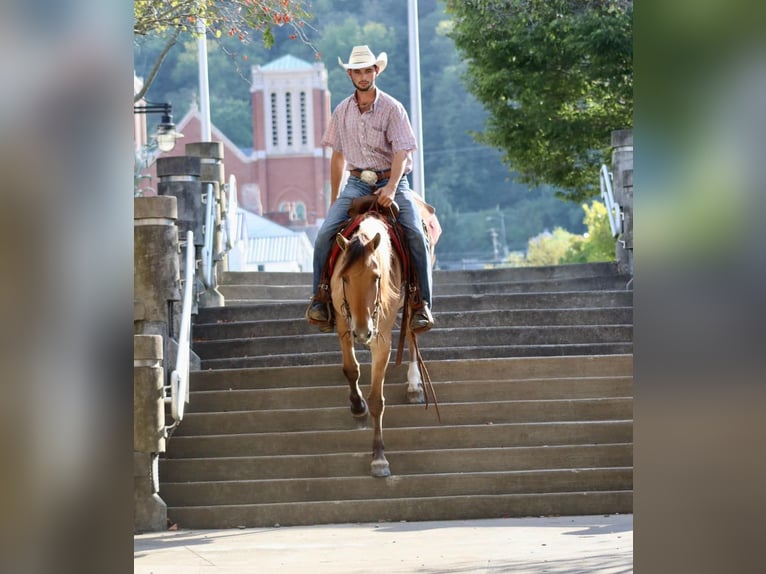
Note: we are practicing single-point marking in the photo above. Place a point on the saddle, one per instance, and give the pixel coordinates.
(360, 207)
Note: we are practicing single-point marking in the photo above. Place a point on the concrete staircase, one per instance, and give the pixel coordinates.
(532, 369)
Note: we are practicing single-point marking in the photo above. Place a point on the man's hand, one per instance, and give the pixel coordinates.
(385, 195)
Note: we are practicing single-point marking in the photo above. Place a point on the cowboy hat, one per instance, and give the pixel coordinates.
(362, 57)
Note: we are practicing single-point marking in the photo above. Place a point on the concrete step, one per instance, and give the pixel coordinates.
(254, 311)
(403, 509)
(436, 338)
(255, 292)
(398, 416)
(433, 437)
(405, 462)
(447, 392)
(519, 274)
(550, 272)
(514, 368)
(245, 492)
(445, 320)
(429, 355)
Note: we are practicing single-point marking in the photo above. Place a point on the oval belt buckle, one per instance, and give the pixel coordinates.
(369, 177)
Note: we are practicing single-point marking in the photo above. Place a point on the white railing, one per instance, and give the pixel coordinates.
(177, 393)
(179, 377)
(229, 217)
(209, 243)
(230, 213)
(613, 209)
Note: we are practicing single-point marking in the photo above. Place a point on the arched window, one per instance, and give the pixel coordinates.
(297, 209)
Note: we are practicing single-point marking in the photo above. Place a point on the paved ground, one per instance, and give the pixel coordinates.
(567, 544)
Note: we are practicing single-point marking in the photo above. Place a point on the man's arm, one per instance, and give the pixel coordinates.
(337, 166)
(387, 192)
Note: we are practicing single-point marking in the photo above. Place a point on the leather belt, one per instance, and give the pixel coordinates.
(385, 174)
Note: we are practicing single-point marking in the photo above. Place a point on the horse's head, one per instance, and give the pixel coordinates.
(361, 271)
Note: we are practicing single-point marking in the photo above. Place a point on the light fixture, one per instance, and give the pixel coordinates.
(166, 133)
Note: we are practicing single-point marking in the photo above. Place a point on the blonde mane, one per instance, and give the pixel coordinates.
(388, 262)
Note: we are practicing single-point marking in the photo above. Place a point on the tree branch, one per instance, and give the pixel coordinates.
(156, 68)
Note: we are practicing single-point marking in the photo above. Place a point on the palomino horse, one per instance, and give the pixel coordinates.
(367, 293)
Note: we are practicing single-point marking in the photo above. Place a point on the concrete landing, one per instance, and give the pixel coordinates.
(567, 544)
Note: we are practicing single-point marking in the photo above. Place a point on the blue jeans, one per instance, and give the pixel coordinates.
(409, 218)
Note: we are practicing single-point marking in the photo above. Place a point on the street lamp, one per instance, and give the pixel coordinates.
(166, 134)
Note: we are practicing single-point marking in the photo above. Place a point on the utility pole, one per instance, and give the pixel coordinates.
(418, 176)
(204, 86)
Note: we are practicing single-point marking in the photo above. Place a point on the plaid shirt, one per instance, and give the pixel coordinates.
(369, 140)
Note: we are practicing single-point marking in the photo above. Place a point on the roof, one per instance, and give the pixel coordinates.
(288, 63)
(258, 226)
(283, 249)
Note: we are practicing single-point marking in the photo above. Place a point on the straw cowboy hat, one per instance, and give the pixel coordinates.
(362, 57)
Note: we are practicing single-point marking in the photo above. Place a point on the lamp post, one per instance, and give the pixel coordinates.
(166, 134)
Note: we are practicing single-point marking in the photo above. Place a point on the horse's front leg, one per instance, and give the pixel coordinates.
(415, 394)
(351, 371)
(381, 353)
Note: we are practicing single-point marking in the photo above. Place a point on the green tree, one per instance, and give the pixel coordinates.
(549, 248)
(556, 77)
(170, 19)
(597, 244)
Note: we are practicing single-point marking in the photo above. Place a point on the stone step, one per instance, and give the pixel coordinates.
(533, 372)
(440, 277)
(405, 462)
(429, 355)
(403, 509)
(434, 437)
(447, 392)
(398, 416)
(445, 320)
(241, 293)
(245, 492)
(253, 310)
(436, 338)
(521, 368)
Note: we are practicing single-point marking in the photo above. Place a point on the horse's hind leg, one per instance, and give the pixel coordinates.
(415, 393)
(351, 371)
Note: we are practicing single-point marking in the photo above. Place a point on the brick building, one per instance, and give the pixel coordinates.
(286, 176)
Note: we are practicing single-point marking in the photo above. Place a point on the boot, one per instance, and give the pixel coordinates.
(318, 313)
(421, 320)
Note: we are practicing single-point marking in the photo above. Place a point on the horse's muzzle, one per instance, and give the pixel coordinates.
(363, 336)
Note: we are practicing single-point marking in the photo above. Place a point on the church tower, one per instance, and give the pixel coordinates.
(291, 110)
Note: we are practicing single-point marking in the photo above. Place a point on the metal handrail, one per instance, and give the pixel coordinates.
(229, 216)
(231, 213)
(613, 209)
(207, 248)
(179, 377)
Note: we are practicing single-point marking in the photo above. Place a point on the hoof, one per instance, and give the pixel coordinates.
(362, 413)
(380, 469)
(416, 397)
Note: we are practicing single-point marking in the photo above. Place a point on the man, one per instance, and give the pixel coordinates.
(370, 132)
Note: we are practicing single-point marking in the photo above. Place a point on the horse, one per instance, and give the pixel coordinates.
(367, 293)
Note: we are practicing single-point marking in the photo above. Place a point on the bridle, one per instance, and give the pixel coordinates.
(375, 312)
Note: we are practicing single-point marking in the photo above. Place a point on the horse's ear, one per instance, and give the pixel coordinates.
(341, 241)
(375, 241)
